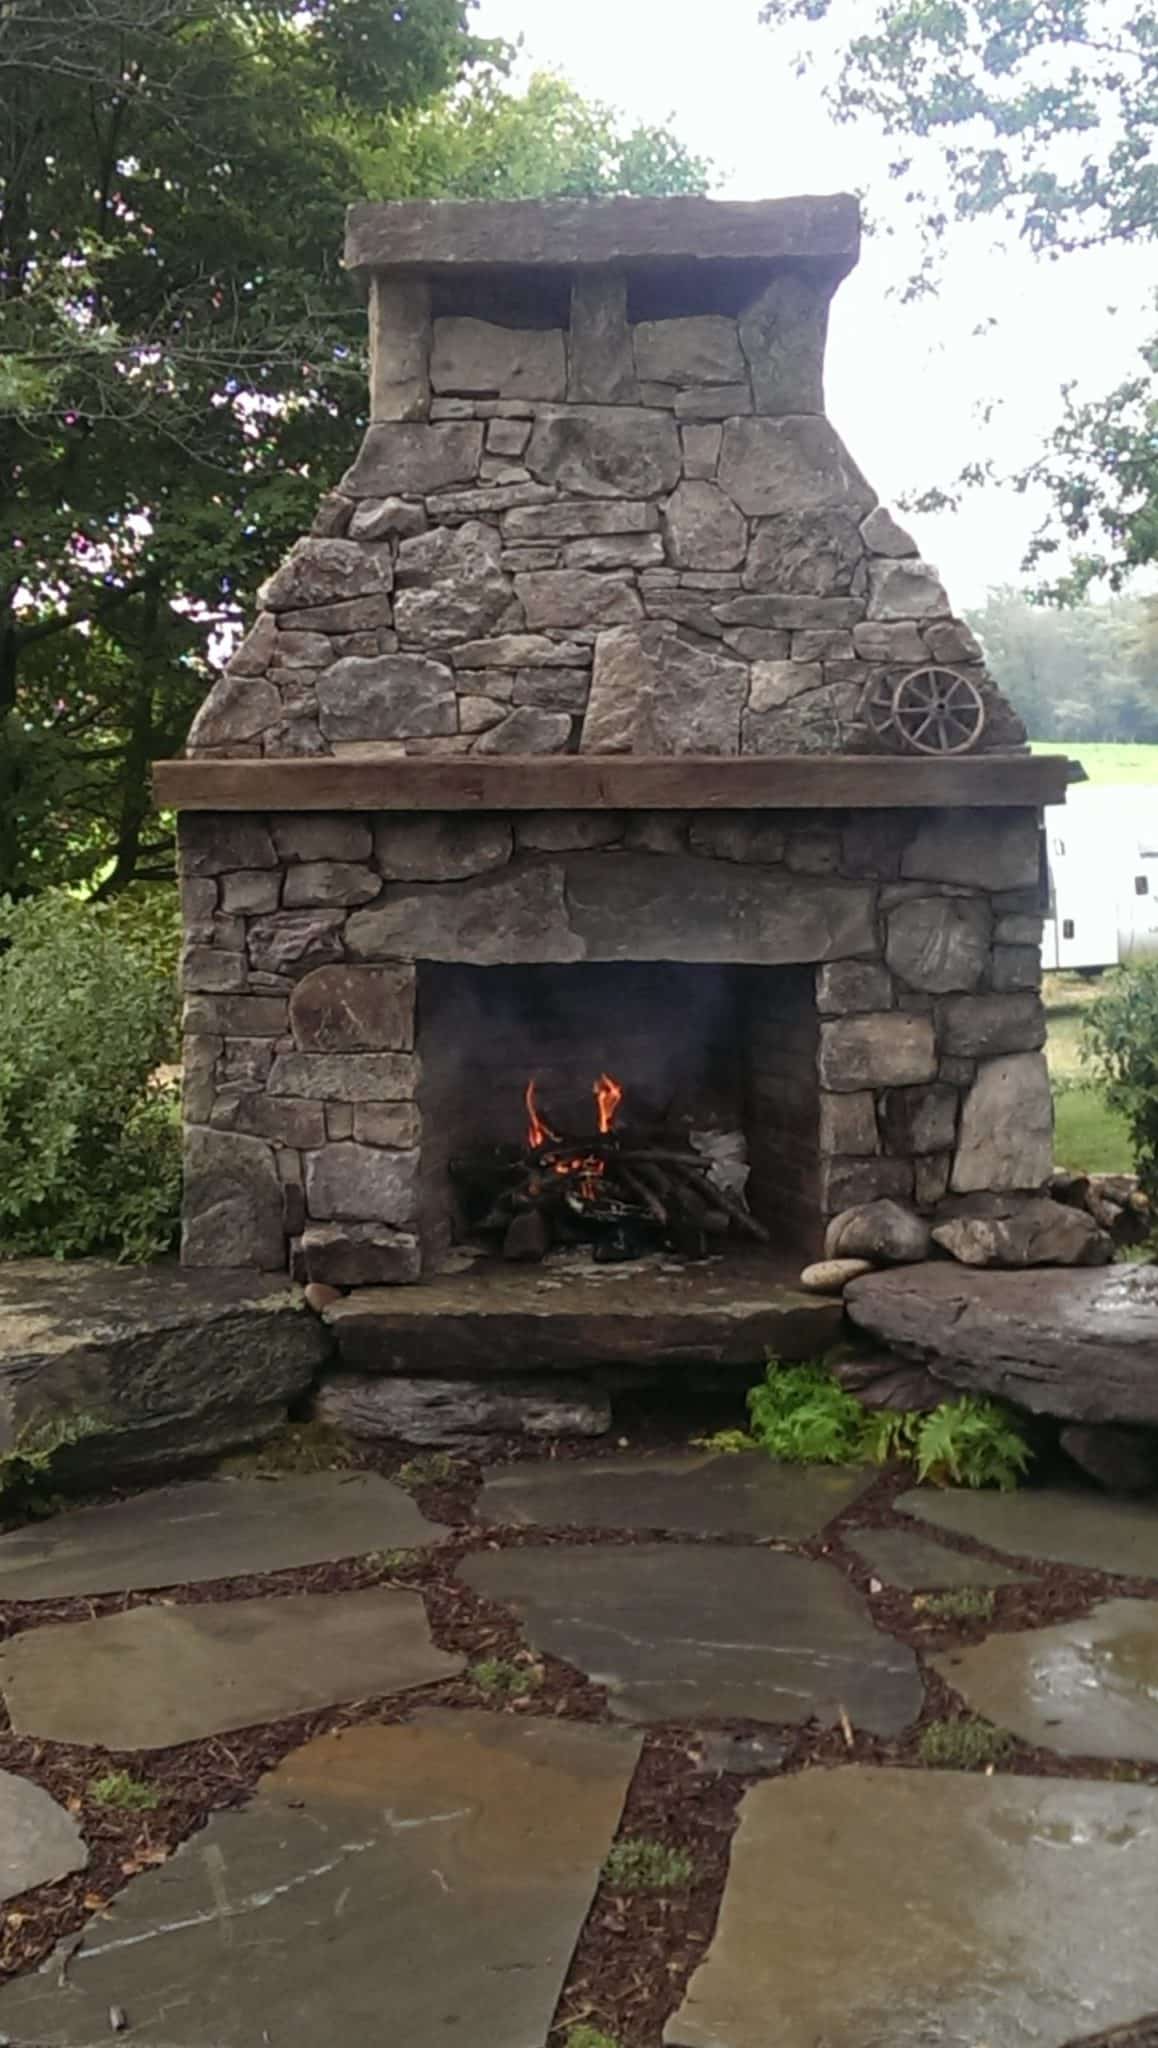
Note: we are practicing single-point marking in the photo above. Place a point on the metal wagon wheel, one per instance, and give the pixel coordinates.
(938, 711)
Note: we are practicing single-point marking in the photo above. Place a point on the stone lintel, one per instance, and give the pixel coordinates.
(463, 235)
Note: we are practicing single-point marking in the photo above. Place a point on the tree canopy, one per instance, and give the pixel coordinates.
(1041, 115)
(1081, 672)
(182, 358)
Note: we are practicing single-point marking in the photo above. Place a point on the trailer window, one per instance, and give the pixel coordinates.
(1067, 927)
(1141, 885)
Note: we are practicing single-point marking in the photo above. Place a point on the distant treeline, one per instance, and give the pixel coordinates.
(1088, 673)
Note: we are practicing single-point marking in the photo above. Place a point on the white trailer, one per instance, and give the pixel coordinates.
(1102, 850)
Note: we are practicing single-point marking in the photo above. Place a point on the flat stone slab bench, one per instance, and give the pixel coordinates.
(1079, 1344)
(127, 1369)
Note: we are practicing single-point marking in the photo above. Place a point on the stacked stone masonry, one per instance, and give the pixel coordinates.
(304, 935)
(614, 535)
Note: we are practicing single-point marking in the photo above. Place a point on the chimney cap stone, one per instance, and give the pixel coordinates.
(460, 235)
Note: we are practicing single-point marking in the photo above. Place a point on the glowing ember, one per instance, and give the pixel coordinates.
(608, 1096)
(537, 1131)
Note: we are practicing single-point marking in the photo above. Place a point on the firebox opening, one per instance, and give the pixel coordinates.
(587, 1091)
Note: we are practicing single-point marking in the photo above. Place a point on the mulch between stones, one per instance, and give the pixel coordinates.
(636, 1951)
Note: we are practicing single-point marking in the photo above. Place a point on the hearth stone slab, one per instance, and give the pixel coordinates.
(1061, 1525)
(696, 1496)
(1082, 1344)
(151, 1363)
(159, 1675)
(39, 1841)
(1084, 1688)
(215, 1529)
(903, 1557)
(569, 1316)
(970, 1909)
(420, 1885)
(694, 1632)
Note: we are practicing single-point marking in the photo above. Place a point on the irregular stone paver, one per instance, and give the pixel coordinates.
(159, 1675)
(707, 1495)
(1063, 1526)
(904, 1557)
(748, 1756)
(39, 1841)
(1084, 1688)
(896, 1907)
(707, 1632)
(420, 1885)
(216, 1529)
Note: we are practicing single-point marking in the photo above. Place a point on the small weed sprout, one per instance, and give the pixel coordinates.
(965, 1745)
(727, 1442)
(391, 1560)
(589, 2037)
(121, 1790)
(501, 1679)
(433, 1468)
(971, 1603)
(637, 1865)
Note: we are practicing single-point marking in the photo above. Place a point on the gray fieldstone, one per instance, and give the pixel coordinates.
(711, 402)
(900, 643)
(354, 1009)
(356, 615)
(783, 334)
(211, 1529)
(363, 1183)
(885, 1232)
(701, 447)
(236, 1016)
(883, 536)
(702, 348)
(528, 730)
(440, 847)
(237, 708)
(302, 650)
(386, 519)
(386, 697)
(1121, 1460)
(1033, 1898)
(800, 461)
(614, 551)
(292, 940)
(451, 585)
(452, 1862)
(776, 683)
(284, 1121)
(1076, 1343)
(1082, 1688)
(516, 916)
(328, 881)
(744, 836)
(831, 1276)
(981, 1026)
(480, 359)
(688, 1632)
(655, 691)
(233, 1204)
(878, 1050)
(1032, 1233)
(1016, 967)
(1064, 1525)
(401, 459)
(1006, 1135)
(853, 1183)
(256, 651)
(251, 892)
(846, 986)
(346, 1076)
(993, 850)
(601, 362)
(625, 906)
(848, 1124)
(460, 1413)
(399, 317)
(903, 1557)
(360, 1254)
(211, 971)
(605, 451)
(918, 1120)
(39, 1842)
(567, 831)
(156, 1676)
(521, 650)
(319, 572)
(939, 943)
(577, 597)
(568, 519)
(691, 1495)
(905, 590)
(552, 689)
(952, 641)
(396, 1125)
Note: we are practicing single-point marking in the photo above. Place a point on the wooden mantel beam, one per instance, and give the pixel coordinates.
(581, 782)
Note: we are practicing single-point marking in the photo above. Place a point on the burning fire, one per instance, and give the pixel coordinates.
(608, 1093)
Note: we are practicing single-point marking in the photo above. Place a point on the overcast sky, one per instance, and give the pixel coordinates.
(905, 382)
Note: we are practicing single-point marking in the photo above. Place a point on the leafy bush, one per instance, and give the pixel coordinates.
(801, 1415)
(1120, 1042)
(89, 1139)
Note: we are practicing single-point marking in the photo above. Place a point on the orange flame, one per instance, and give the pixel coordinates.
(538, 1132)
(608, 1096)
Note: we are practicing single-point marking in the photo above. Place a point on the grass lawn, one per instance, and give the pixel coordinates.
(1106, 761)
(1088, 1137)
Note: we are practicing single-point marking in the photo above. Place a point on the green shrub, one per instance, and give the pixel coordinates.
(120, 1789)
(637, 1865)
(589, 2037)
(500, 1679)
(1120, 1042)
(89, 1138)
(963, 1745)
(801, 1415)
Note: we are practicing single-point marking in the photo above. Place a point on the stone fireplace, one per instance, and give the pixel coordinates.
(604, 724)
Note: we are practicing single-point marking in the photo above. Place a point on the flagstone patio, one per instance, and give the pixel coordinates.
(322, 1758)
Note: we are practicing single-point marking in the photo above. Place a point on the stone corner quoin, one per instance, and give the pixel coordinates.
(598, 509)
